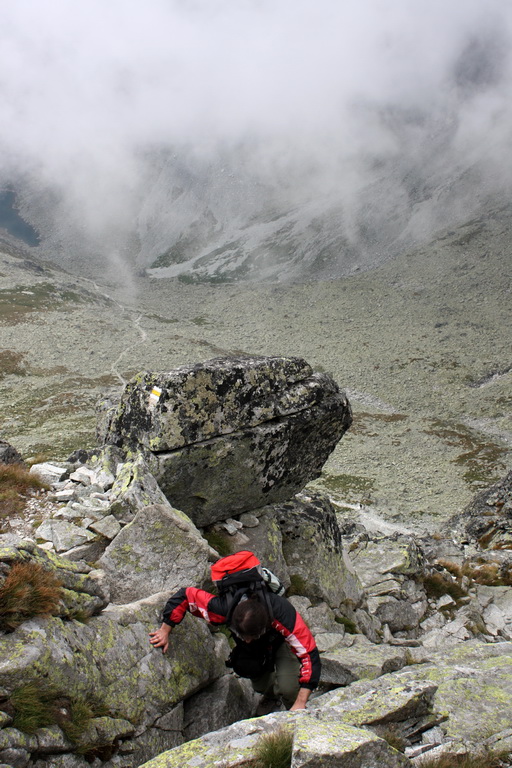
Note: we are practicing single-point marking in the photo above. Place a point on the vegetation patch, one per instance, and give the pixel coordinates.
(347, 487)
(28, 590)
(16, 483)
(35, 706)
(489, 760)
(218, 541)
(11, 363)
(297, 585)
(439, 583)
(364, 422)
(350, 626)
(272, 750)
(484, 461)
(489, 574)
(16, 303)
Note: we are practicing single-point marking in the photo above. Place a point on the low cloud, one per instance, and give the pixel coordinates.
(322, 93)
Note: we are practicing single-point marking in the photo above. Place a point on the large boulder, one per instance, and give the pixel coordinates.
(231, 434)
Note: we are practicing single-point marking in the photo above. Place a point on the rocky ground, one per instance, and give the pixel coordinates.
(421, 344)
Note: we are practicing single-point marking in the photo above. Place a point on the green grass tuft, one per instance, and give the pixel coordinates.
(34, 707)
(37, 706)
(274, 750)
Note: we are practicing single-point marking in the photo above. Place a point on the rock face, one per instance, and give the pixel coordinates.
(488, 518)
(231, 434)
(356, 726)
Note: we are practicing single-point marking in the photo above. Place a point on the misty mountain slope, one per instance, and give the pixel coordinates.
(422, 345)
(233, 219)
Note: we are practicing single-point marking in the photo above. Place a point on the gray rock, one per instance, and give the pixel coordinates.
(249, 520)
(107, 526)
(134, 488)
(225, 701)
(386, 558)
(318, 565)
(342, 665)
(336, 745)
(9, 454)
(48, 473)
(15, 758)
(63, 535)
(487, 519)
(160, 550)
(397, 614)
(265, 540)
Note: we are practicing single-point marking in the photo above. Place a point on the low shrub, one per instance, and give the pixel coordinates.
(15, 483)
(28, 590)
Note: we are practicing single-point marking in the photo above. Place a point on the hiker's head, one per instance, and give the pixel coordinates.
(250, 619)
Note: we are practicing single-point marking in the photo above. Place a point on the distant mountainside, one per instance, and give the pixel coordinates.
(253, 212)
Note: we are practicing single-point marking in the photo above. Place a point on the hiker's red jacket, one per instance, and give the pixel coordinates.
(286, 622)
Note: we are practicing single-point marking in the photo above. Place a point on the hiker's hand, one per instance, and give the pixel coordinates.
(301, 700)
(160, 637)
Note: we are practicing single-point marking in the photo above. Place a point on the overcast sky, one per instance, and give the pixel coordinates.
(86, 84)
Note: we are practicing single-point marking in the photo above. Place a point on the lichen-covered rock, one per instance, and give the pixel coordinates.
(377, 706)
(159, 550)
(331, 744)
(133, 489)
(165, 411)
(342, 665)
(318, 565)
(471, 701)
(232, 434)
(110, 657)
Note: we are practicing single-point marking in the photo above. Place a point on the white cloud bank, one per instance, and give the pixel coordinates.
(87, 86)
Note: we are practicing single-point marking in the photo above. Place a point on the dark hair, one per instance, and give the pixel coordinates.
(250, 618)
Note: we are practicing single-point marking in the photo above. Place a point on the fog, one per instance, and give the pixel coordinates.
(324, 95)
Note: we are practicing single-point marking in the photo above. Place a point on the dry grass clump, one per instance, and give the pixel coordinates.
(11, 363)
(489, 574)
(439, 583)
(489, 760)
(33, 707)
(15, 483)
(28, 590)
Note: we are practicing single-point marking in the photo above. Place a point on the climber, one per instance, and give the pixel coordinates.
(273, 646)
